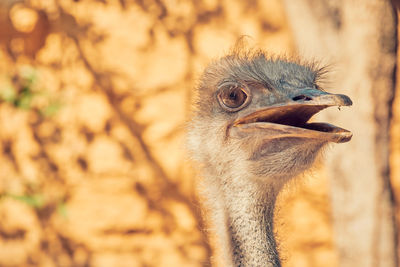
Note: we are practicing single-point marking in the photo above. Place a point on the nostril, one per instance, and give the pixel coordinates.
(302, 97)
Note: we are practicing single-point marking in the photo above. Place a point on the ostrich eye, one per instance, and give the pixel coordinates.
(232, 97)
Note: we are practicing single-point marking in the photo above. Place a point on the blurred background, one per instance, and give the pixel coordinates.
(94, 96)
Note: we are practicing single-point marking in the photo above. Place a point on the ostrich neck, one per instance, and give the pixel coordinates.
(249, 210)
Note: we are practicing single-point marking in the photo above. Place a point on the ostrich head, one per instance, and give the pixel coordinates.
(252, 117)
(250, 133)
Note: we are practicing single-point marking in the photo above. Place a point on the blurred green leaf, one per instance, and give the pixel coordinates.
(50, 109)
(8, 94)
(24, 98)
(35, 201)
(28, 73)
(62, 209)
(23, 92)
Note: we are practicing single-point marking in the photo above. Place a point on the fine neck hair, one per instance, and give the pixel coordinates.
(241, 209)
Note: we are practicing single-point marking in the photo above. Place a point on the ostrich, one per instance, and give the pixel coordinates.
(250, 134)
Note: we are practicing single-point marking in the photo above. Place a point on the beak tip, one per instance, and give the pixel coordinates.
(345, 139)
(346, 101)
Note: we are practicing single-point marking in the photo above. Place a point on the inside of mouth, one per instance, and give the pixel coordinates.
(293, 116)
(296, 117)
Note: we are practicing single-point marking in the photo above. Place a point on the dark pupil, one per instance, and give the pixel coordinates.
(234, 97)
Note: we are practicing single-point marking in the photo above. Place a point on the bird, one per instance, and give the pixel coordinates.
(248, 134)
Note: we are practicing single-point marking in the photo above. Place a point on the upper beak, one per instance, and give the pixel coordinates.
(290, 118)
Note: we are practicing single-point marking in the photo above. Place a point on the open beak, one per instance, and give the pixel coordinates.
(290, 119)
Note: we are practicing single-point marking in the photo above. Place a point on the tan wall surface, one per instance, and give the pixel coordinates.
(94, 96)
